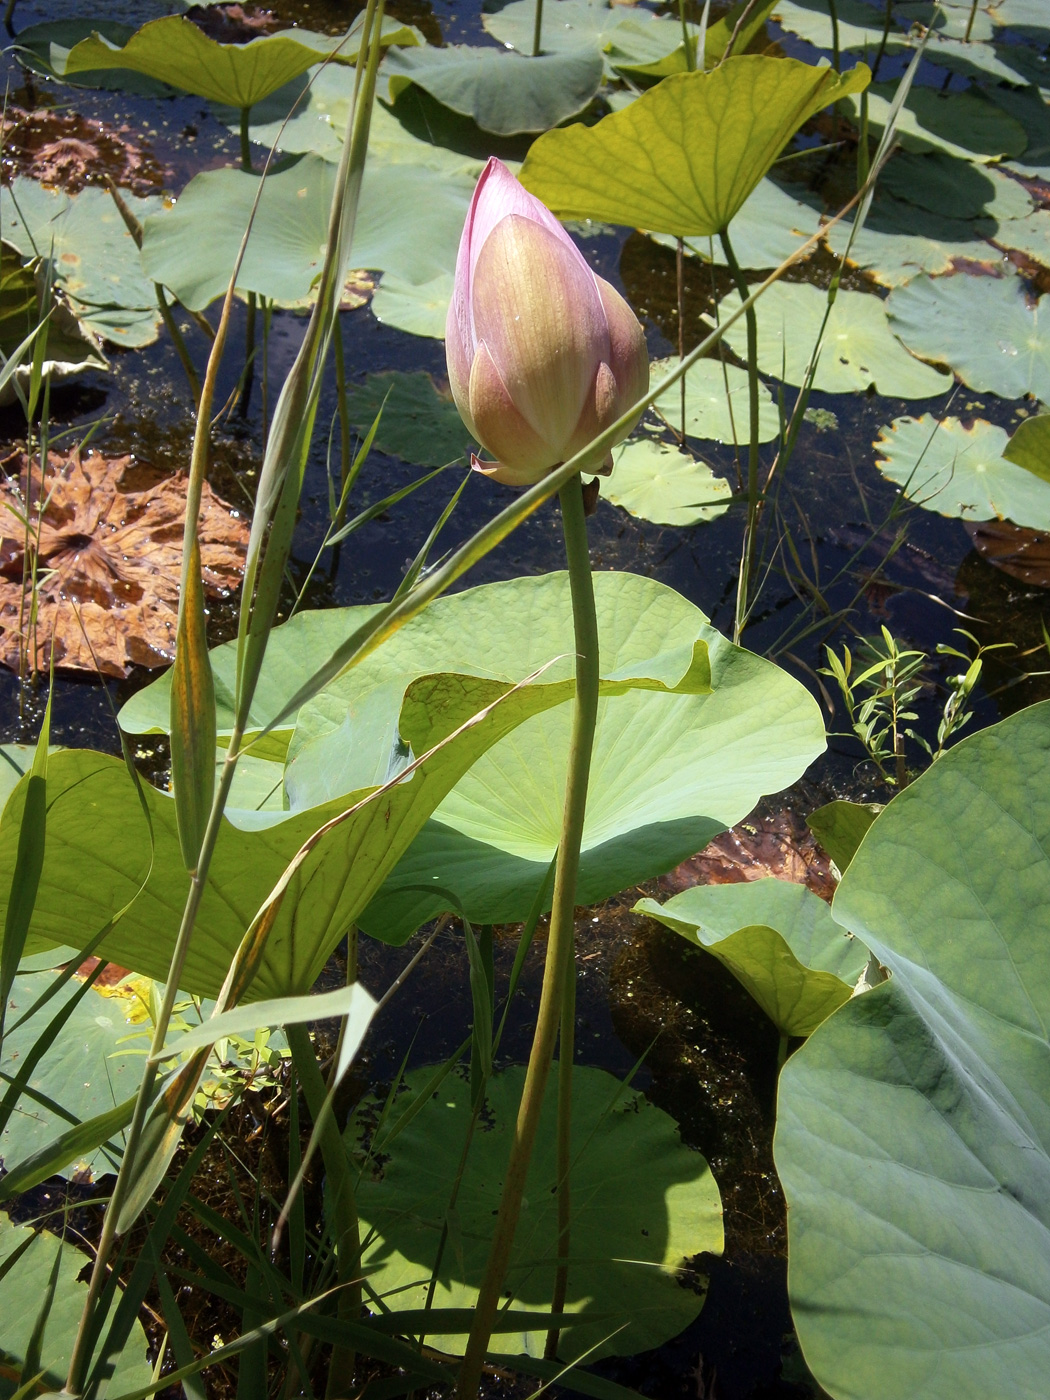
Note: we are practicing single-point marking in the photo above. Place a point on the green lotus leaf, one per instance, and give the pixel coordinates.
(953, 188)
(953, 18)
(44, 48)
(24, 1285)
(643, 1204)
(840, 827)
(670, 770)
(859, 347)
(657, 482)
(175, 51)
(965, 124)
(1026, 106)
(70, 348)
(1030, 446)
(418, 308)
(633, 54)
(408, 223)
(635, 167)
(899, 242)
(858, 28)
(571, 25)
(913, 1127)
(500, 91)
(776, 938)
(418, 424)
(962, 471)
(102, 855)
(936, 318)
(94, 258)
(15, 759)
(768, 229)
(1030, 236)
(716, 403)
(94, 1064)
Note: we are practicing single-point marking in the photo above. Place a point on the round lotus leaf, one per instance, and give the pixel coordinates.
(575, 24)
(643, 1205)
(899, 241)
(859, 348)
(768, 229)
(961, 471)
(44, 48)
(964, 124)
(1026, 106)
(500, 91)
(858, 28)
(657, 482)
(913, 1127)
(418, 308)
(636, 167)
(956, 19)
(1030, 446)
(25, 1282)
(94, 257)
(777, 939)
(409, 223)
(953, 188)
(1030, 236)
(937, 319)
(418, 424)
(716, 403)
(176, 51)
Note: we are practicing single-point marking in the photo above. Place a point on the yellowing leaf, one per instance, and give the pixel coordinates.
(684, 157)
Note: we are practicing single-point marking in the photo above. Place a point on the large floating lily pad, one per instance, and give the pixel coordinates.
(409, 222)
(501, 92)
(571, 25)
(953, 188)
(640, 167)
(716, 403)
(657, 482)
(95, 260)
(859, 29)
(859, 347)
(961, 471)
(175, 51)
(643, 1204)
(964, 124)
(768, 229)
(418, 308)
(1010, 356)
(913, 1128)
(1028, 108)
(776, 938)
(417, 423)
(1030, 236)
(23, 1287)
(899, 241)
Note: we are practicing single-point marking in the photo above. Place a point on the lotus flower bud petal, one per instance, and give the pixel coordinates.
(542, 354)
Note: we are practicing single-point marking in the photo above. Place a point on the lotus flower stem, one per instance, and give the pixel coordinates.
(680, 276)
(537, 33)
(753, 503)
(563, 1154)
(560, 942)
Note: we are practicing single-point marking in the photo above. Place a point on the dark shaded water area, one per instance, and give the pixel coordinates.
(709, 1053)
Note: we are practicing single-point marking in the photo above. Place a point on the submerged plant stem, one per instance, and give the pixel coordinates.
(751, 528)
(537, 32)
(560, 940)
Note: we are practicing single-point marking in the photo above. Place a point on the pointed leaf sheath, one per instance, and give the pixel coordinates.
(542, 354)
(193, 724)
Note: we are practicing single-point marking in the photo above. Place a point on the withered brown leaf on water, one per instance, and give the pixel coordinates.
(109, 553)
(68, 150)
(1018, 551)
(779, 845)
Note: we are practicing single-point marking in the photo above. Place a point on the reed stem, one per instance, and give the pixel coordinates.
(753, 503)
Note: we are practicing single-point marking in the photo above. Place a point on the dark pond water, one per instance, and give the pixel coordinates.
(710, 1055)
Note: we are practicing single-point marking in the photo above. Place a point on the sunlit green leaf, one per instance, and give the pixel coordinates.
(937, 318)
(418, 424)
(500, 91)
(1030, 446)
(768, 228)
(962, 471)
(859, 347)
(778, 939)
(643, 1204)
(913, 1127)
(30, 309)
(964, 124)
(418, 308)
(899, 241)
(840, 827)
(656, 482)
(716, 403)
(637, 166)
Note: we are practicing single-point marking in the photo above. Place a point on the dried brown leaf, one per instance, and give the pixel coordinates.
(780, 845)
(1018, 551)
(70, 151)
(108, 565)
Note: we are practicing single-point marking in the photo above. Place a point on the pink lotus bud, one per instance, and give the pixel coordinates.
(542, 354)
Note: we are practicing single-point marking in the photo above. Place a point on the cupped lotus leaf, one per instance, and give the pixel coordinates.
(913, 1127)
(418, 424)
(643, 1205)
(768, 229)
(859, 347)
(777, 939)
(657, 482)
(409, 222)
(500, 91)
(937, 319)
(840, 827)
(420, 308)
(634, 53)
(102, 854)
(93, 257)
(176, 51)
(644, 165)
(44, 48)
(670, 770)
(1030, 446)
(953, 188)
(94, 1064)
(24, 1284)
(716, 403)
(961, 471)
(963, 124)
